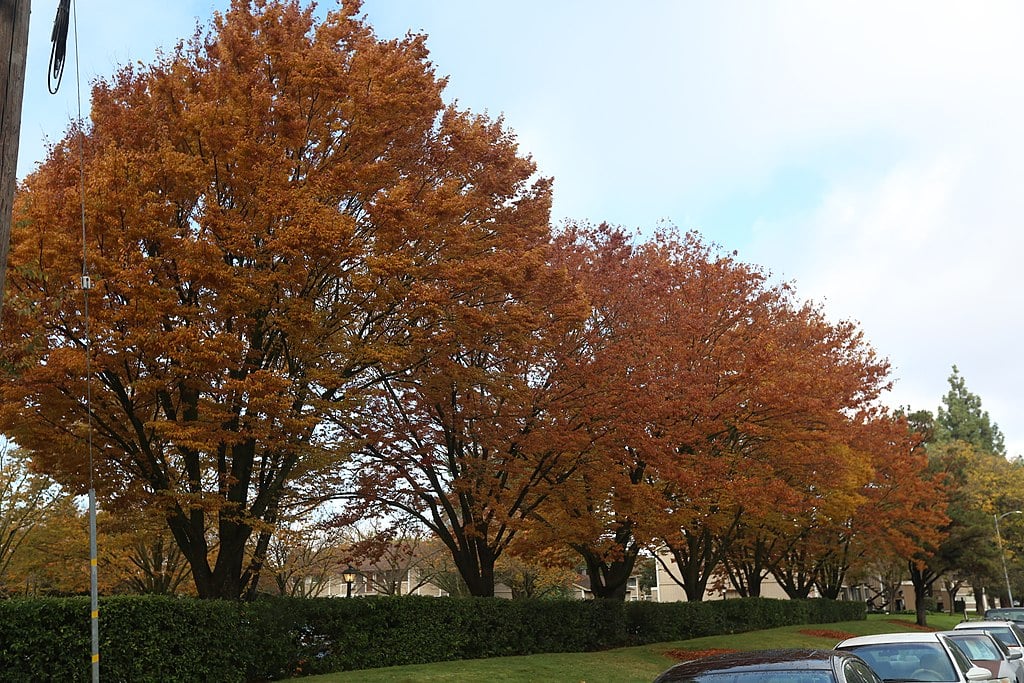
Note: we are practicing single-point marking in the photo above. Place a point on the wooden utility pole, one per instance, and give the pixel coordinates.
(13, 48)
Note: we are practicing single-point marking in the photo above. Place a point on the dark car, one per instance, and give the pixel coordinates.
(1014, 614)
(773, 666)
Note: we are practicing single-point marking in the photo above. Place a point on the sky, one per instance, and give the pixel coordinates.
(869, 152)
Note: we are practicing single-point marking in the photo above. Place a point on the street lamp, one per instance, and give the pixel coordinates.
(1002, 555)
(349, 577)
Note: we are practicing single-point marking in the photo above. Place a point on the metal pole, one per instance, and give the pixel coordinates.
(1002, 555)
(93, 591)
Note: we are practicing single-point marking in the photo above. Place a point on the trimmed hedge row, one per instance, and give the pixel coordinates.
(177, 639)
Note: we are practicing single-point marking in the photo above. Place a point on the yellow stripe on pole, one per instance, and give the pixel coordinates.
(96, 614)
(95, 658)
(92, 561)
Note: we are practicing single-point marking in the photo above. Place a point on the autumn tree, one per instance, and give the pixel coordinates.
(768, 395)
(710, 395)
(53, 559)
(302, 560)
(26, 502)
(530, 579)
(468, 443)
(137, 554)
(279, 213)
(603, 512)
(900, 509)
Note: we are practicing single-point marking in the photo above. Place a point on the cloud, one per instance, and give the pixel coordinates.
(930, 277)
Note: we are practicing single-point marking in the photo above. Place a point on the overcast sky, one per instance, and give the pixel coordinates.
(870, 152)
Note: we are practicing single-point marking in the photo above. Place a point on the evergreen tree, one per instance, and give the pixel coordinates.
(962, 419)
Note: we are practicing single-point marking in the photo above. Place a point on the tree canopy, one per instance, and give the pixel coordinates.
(279, 213)
(314, 280)
(961, 418)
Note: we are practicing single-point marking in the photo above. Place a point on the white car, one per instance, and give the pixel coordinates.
(1006, 631)
(987, 651)
(915, 656)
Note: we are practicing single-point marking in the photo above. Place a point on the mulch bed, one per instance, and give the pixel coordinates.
(687, 655)
(911, 625)
(824, 633)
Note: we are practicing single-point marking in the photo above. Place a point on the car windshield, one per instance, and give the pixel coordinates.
(1005, 613)
(908, 661)
(774, 676)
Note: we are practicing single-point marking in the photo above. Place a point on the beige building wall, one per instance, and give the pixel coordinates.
(666, 589)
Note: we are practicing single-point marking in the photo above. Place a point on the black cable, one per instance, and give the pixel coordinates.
(58, 52)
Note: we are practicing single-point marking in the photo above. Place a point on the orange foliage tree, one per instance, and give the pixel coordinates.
(717, 405)
(272, 211)
(468, 444)
(609, 366)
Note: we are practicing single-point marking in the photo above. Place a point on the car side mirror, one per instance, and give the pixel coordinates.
(976, 673)
(1014, 655)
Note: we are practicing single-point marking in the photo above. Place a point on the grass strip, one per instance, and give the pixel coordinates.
(629, 664)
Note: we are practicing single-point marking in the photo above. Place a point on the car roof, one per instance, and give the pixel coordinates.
(886, 638)
(970, 633)
(987, 623)
(759, 660)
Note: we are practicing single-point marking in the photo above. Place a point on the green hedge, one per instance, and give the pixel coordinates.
(175, 639)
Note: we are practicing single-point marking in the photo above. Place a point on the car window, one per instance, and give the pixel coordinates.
(1004, 613)
(1017, 634)
(977, 646)
(1002, 646)
(962, 660)
(1005, 634)
(855, 672)
(908, 661)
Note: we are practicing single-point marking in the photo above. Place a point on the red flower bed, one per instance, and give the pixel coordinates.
(824, 633)
(910, 624)
(688, 655)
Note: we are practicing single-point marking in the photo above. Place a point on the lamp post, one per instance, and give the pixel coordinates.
(349, 577)
(1002, 555)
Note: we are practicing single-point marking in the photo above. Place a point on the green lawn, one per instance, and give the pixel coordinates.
(624, 665)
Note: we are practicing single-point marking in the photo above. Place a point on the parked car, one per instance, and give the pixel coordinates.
(773, 666)
(987, 651)
(915, 656)
(1006, 631)
(1014, 614)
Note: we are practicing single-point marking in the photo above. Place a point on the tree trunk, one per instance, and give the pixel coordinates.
(922, 578)
(696, 559)
(610, 579)
(223, 581)
(830, 579)
(476, 567)
(746, 568)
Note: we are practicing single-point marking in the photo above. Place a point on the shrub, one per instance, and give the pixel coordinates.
(181, 639)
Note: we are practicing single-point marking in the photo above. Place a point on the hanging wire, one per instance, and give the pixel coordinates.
(59, 38)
